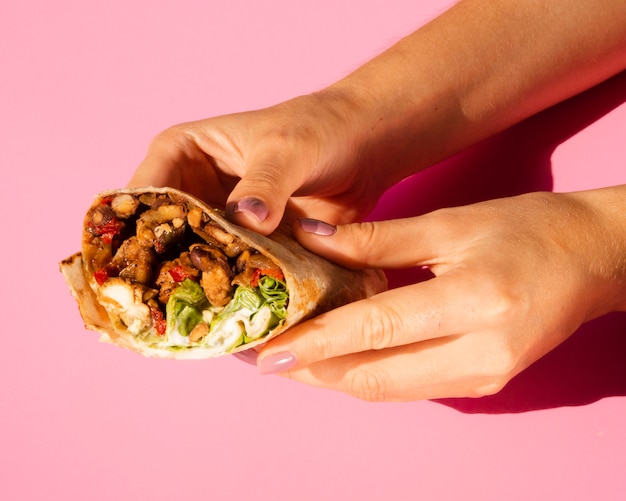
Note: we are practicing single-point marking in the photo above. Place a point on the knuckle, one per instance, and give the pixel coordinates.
(369, 240)
(501, 357)
(497, 369)
(501, 303)
(175, 139)
(323, 347)
(264, 177)
(379, 326)
(488, 388)
(503, 308)
(368, 385)
(172, 133)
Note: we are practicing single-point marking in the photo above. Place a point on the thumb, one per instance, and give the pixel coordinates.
(398, 243)
(259, 199)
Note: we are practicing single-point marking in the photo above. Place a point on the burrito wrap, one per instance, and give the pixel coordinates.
(313, 284)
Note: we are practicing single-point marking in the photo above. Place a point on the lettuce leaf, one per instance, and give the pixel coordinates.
(184, 307)
(274, 293)
(250, 315)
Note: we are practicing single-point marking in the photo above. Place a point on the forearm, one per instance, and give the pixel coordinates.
(477, 69)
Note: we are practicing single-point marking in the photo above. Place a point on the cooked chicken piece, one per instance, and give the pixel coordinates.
(216, 273)
(148, 199)
(169, 212)
(216, 285)
(134, 261)
(231, 245)
(219, 234)
(145, 233)
(124, 205)
(172, 273)
(161, 227)
(194, 217)
(126, 301)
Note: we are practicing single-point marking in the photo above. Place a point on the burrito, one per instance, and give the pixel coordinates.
(165, 275)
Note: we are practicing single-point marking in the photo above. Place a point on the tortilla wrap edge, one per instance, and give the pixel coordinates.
(315, 285)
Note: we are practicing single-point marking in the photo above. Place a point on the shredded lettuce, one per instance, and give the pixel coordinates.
(263, 308)
(251, 314)
(274, 292)
(184, 307)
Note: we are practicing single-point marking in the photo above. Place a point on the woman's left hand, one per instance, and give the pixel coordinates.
(513, 278)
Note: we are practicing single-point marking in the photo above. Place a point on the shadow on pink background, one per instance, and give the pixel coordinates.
(84, 87)
(591, 364)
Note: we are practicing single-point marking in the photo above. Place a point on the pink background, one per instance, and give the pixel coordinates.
(83, 88)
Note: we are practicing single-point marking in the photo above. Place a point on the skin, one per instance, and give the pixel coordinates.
(508, 287)
(475, 70)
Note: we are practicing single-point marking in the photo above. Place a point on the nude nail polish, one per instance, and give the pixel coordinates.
(252, 206)
(248, 356)
(278, 362)
(317, 227)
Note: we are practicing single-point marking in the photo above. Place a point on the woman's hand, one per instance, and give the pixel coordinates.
(513, 279)
(254, 163)
(330, 155)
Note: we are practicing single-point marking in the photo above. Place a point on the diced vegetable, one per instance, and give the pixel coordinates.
(177, 279)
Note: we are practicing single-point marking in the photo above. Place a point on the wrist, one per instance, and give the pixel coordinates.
(395, 129)
(607, 243)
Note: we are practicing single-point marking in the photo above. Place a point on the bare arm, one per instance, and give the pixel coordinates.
(478, 68)
(513, 277)
(475, 70)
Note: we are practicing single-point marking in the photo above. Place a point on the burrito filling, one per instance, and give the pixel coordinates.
(177, 280)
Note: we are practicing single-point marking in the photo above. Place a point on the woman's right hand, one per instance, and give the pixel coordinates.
(298, 155)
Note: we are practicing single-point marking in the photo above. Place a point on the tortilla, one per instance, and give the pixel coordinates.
(165, 275)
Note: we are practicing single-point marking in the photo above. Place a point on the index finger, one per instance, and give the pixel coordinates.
(437, 308)
(397, 243)
(174, 159)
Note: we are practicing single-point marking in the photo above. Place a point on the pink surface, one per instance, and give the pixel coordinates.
(83, 88)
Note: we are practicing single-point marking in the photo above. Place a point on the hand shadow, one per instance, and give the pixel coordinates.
(591, 364)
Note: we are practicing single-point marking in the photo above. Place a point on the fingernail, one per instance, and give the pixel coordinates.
(317, 227)
(278, 362)
(252, 206)
(247, 356)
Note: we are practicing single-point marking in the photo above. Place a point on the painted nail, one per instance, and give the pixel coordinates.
(247, 356)
(278, 362)
(252, 206)
(317, 227)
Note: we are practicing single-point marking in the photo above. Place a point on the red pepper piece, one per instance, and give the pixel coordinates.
(111, 227)
(108, 230)
(259, 272)
(178, 273)
(101, 275)
(158, 320)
